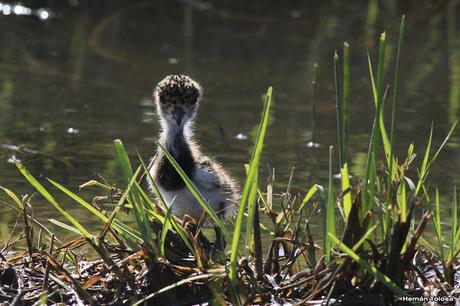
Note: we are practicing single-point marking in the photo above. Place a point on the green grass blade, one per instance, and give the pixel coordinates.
(141, 217)
(90, 238)
(373, 182)
(252, 206)
(394, 107)
(426, 165)
(371, 75)
(123, 160)
(437, 217)
(151, 208)
(392, 171)
(345, 99)
(385, 140)
(13, 196)
(126, 231)
(339, 109)
(380, 93)
(79, 200)
(164, 230)
(371, 269)
(65, 226)
(253, 169)
(427, 152)
(180, 231)
(121, 204)
(39, 187)
(124, 197)
(402, 31)
(154, 186)
(134, 197)
(263, 199)
(364, 237)
(347, 201)
(368, 201)
(402, 201)
(330, 210)
(451, 131)
(97, 184)
(311, 192)
(177, 228)
(162, 219)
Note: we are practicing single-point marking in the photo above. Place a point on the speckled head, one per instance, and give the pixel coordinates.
(177, 97)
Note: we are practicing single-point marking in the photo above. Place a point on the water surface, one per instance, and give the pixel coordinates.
(72, 83)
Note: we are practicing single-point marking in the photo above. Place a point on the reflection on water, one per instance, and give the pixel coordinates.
(71, 85)
(21, 10)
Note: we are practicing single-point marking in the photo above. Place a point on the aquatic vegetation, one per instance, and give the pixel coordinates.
(373, 248)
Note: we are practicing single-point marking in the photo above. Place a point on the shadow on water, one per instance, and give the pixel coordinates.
(71, 84)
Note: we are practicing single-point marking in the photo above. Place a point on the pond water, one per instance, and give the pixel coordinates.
(72, 83)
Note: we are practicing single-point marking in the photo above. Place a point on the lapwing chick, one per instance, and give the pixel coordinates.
(177, 98)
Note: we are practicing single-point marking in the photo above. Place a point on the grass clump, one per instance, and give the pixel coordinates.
(373, 246)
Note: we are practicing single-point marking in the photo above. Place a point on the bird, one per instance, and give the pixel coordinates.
(177, 98)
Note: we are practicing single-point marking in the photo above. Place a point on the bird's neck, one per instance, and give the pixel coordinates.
(176, 141)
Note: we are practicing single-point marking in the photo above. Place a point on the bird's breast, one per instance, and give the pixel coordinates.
(166, 174)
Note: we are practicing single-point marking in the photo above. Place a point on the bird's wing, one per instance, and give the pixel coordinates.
(205, 179)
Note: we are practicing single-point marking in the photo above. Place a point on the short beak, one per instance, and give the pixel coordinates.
(179, 115)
